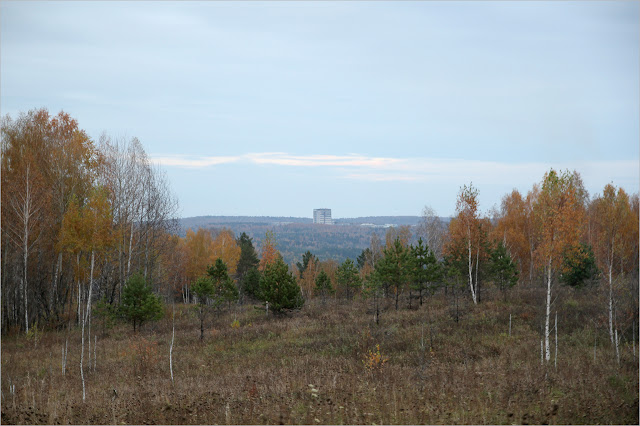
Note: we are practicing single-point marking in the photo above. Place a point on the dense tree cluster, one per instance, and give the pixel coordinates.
(79, 218)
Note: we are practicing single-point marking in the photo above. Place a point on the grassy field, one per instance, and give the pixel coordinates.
(321, 366)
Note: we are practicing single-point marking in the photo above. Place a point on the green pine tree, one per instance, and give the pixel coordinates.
(373, 289)
(323, 285)
(503, 269)
(251, 283)
(392, 269)
(278, 287)
(204, 291)
(579, 266)
(454, 269)
(426, 272)
(362, 258)
(139, 304)
(306, 258)
(347, 278)
(224, 289)
(248, 260)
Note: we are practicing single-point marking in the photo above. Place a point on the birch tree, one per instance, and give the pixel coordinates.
(612, 212)
(559, 213)
(88, 230)
(144, 209)
(464, 230)
(27, 207)
(432, 231)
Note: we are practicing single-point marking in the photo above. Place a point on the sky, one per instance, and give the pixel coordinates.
(367, 108)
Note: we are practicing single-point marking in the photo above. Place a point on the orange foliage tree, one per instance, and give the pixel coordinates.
(559, 215)
(269, 252)
(225, 247)
(198, 246)
(308, 280)
(515, 227)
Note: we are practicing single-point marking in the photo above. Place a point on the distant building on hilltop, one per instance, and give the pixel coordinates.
(322, 216)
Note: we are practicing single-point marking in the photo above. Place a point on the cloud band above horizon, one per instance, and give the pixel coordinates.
(388, 169)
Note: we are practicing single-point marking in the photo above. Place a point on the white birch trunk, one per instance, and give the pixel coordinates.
(555, 362)
(477, 265)
(64, 361)
(82, 360)
(89, 338)
(26, 316)
(120, 268)
(27, 214)
(173, 335)
(611, 300)
(130, 248)
(26, 252)
(548, 314)
(79, 288)
(473, 292)
(79, 302)
(84, 321)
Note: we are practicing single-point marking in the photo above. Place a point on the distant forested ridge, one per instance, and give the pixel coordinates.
(296, 235)
(382, 220)
(204, 221)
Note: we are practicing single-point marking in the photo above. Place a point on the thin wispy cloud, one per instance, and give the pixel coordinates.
(429, 170)
(192, 162)
(284, 159)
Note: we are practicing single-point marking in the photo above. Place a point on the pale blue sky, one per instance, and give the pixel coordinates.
(368, 108)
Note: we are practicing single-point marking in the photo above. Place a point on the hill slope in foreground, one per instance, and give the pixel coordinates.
(320, 365)
(295, 235)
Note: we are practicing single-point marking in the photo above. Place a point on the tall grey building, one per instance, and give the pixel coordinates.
(322, 216)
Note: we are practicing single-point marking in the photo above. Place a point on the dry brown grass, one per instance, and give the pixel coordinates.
(308, 368)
